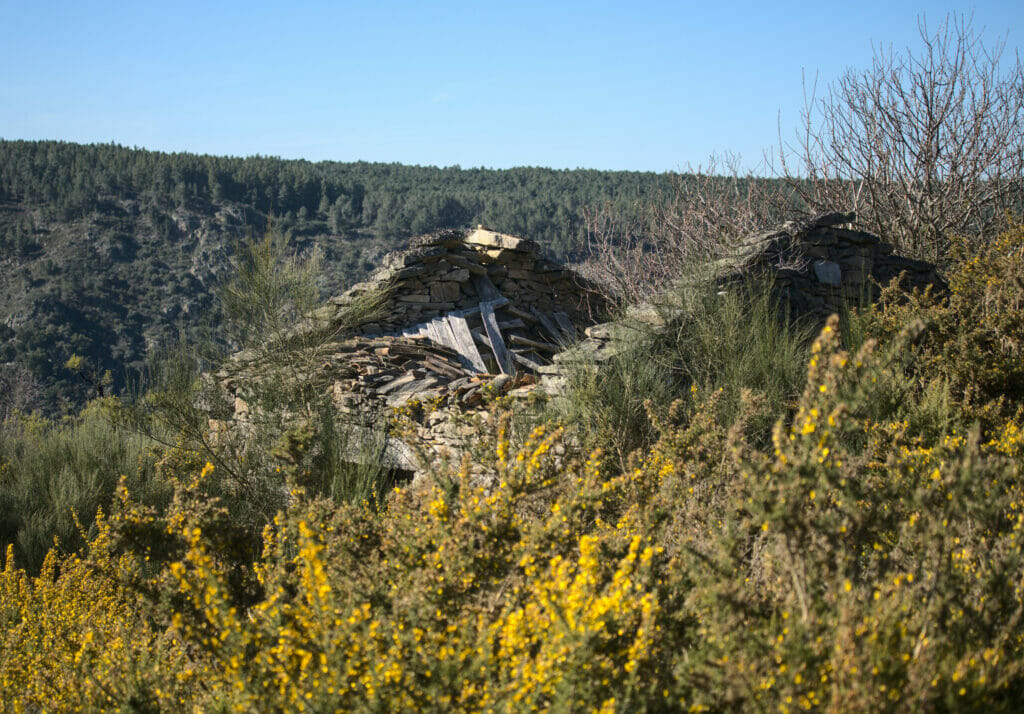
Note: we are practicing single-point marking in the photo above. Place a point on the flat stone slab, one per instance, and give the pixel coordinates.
(828, 272)
(483, 237)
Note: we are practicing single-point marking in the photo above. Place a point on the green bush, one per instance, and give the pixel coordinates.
(736, 342)
(865, 556)
(54, 471)
(973, 338)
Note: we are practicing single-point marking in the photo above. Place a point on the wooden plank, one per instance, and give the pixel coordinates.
(485, 288)
(464, 340)
(436, 365)
(526, 361)
(430, 332)
(494, 335)
(442, 334)
(513, 310)
(566, 324)
(481, 337)
(499, 302)
(548, 325)
(511, 324)
(447, 330)
(447, 335)
(520, 340)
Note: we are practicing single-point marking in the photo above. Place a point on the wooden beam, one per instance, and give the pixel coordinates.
(526, 361)
(517, 339)
(495, 304)
(464, 339)
(481, 337)
(494, 335)
(436, 365)
(513, 310)
(430, 332)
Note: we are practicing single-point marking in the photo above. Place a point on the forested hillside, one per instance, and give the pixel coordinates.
(109, 252)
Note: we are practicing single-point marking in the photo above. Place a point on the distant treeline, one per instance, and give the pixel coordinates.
(391, 200)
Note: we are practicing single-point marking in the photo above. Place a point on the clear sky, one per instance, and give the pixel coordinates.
(640, 85)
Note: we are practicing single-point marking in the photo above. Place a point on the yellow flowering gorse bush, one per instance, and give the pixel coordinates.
(870, 558)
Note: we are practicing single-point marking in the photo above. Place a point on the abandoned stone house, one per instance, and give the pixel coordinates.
(464, 311)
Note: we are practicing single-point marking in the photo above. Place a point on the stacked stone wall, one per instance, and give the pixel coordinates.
(453, 297)
(457, 269)
(818, 265)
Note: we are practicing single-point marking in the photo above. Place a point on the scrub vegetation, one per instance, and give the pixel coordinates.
(740, 514)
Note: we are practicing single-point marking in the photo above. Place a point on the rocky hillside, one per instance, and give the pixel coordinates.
(120, 283)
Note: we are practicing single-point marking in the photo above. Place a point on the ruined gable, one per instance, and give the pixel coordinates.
(455, 270)
(814, 266)
(819, 264)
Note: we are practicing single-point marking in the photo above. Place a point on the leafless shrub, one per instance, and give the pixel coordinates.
(707, 211)
(20, 391)
(922, 145)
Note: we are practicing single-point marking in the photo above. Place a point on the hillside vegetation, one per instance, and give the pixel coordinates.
(734, 512)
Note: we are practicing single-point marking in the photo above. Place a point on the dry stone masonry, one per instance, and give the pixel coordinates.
(459, 312)
(817, 264)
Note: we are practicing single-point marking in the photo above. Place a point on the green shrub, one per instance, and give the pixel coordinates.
(973, 341)
(52, 470)
(865, 555)
(736, 341)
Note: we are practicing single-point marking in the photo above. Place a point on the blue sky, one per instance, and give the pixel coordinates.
(641, 85)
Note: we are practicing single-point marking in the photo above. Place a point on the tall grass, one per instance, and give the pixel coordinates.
(736, 342)
(53, 471)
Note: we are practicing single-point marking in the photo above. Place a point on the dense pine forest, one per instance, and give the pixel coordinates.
(111, 253)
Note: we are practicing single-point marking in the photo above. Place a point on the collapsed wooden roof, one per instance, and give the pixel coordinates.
(455, 311)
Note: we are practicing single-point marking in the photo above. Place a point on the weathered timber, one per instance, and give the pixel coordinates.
(494, 335)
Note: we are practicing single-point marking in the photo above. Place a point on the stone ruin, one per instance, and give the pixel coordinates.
(814, 267)
(465, 313)
(458, 313)
(817, 265)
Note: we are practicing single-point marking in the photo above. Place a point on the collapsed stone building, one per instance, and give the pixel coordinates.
(457, 313)
(813, 266)
(462, 313)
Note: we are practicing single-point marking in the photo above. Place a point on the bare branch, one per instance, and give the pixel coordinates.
(922, 145)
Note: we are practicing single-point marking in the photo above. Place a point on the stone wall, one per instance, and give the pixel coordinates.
(460, 314)
(457, 269)
(819, 264)
(464, 314)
